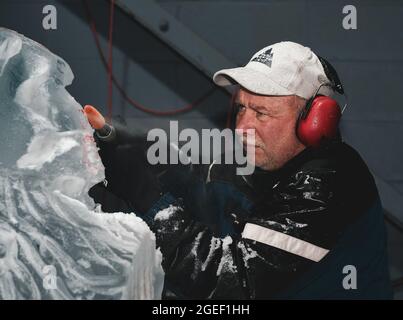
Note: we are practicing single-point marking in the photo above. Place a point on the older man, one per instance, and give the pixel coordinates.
(307, 223)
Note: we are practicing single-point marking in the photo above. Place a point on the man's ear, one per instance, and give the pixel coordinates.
(300, 104)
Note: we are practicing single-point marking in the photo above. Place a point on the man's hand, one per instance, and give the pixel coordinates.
(95, 118)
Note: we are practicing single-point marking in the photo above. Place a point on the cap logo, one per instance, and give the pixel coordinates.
(265, 58)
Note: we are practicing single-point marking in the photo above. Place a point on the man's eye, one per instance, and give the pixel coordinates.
(260, 114)
(240, 107)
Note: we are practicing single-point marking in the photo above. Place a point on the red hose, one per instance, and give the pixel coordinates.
(112, 78)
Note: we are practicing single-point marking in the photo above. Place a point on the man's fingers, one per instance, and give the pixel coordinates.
(95, 118)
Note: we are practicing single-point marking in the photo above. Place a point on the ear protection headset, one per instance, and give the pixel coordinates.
(318, 121)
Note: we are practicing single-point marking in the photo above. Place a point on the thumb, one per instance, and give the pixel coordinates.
(95, 118)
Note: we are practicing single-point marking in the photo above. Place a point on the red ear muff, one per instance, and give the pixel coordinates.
(318, 121)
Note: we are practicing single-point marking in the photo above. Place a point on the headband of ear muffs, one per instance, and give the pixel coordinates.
(318, 121)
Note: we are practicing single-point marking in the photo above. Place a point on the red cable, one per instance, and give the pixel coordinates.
(121, 89)
(110, 68)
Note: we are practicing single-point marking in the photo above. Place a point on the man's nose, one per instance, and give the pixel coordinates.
(245, 120)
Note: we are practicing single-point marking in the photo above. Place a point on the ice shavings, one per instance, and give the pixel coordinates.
(166, 213)
(296, 224)
(247, 253)
(226, 263)
(218, 247)
(193, 252)
(215, 244)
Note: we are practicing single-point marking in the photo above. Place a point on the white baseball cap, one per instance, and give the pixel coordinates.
(284, 68)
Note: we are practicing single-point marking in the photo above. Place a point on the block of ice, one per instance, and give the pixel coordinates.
(55, 243)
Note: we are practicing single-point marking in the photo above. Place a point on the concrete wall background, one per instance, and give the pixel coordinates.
(369, 61)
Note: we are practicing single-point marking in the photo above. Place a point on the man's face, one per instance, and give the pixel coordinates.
(273, 118)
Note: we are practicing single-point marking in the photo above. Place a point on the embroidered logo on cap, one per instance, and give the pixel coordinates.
(265, 58)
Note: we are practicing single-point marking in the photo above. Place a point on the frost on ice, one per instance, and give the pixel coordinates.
(54, 242)
(166, 213)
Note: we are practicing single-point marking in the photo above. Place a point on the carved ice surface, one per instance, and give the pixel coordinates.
(55, 243)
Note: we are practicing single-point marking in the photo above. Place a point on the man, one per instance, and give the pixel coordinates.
(307, 224)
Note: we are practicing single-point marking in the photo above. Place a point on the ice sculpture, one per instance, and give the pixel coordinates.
(55, 243)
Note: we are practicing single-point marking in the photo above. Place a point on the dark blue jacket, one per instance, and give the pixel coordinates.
(301, 232)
